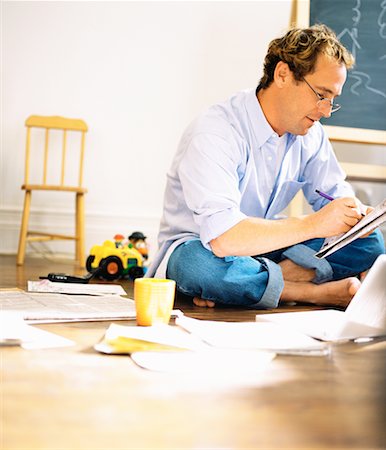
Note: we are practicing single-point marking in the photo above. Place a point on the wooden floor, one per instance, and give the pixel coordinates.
(17, 276)
(76, 398)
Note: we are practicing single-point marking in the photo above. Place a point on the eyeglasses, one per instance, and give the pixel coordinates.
(324, 104)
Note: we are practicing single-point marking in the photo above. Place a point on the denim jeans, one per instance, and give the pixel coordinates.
(257, 282)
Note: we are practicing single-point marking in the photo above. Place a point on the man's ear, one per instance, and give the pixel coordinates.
(282, 74)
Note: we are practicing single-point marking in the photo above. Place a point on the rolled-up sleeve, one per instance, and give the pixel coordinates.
(215, 225)
(210, 183)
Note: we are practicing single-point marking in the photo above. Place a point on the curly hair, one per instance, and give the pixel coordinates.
(299, 48)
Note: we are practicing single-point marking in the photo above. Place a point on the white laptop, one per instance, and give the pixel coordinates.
(364, 317)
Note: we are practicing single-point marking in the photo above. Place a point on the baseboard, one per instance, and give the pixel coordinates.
(99, 227)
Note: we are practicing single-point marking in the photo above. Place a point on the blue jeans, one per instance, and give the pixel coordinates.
(257, 282)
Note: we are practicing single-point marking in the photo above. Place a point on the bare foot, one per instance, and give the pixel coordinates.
(333, 293)
(363, 275)
(201, 302)
(293, 272)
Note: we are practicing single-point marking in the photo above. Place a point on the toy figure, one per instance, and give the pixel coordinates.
(118, 238)
(138, 240)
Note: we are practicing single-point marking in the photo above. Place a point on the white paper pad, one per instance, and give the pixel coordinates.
(371, 221)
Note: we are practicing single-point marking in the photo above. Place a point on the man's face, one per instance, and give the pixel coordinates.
(300, 103)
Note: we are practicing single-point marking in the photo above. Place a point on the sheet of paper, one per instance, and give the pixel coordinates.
(168, 348)
(48, 308)
(15, 331)
(75, 288)
(224, 363)
(320, 324)
(127, 339)
(252, 336)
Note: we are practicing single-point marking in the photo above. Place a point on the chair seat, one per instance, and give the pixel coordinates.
(52, 187)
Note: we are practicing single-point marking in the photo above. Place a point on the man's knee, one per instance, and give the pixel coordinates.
(232, 280)
(358, 256)
(369, 248)
(191, 266)
(377, 242)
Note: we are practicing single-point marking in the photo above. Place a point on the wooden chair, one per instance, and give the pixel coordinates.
(49, 160)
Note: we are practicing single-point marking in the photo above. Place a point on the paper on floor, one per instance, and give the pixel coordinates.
(126, 339)
(75, 288)
(226, 363)
(14, 331)
(253, 336)
(50, 307)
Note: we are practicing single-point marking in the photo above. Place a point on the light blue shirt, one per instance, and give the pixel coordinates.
(227, 168)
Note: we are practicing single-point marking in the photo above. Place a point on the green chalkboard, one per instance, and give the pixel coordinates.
(361, 27)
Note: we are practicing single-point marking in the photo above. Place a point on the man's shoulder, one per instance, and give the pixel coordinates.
(222, 118)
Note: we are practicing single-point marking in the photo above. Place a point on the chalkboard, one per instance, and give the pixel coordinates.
(361, 27)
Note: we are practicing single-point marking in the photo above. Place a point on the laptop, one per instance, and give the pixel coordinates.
(365, 316)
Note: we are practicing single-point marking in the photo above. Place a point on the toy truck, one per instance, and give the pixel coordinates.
(115, 261)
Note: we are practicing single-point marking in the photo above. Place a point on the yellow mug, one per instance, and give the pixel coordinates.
(154, 300)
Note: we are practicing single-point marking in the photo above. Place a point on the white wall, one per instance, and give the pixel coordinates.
(137, 72)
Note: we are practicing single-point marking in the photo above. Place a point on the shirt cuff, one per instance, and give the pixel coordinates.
(216, 224)
(304, 256)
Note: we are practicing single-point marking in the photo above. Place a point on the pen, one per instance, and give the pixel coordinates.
(324, 195)
(328, 197)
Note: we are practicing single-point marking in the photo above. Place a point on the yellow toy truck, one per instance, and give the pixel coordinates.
(115, 261)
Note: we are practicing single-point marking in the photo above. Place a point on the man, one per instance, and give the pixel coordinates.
(240, 164)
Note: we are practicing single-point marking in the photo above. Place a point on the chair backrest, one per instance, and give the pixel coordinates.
(66, 125)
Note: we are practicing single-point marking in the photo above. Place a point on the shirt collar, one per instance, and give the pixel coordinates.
(262, 130)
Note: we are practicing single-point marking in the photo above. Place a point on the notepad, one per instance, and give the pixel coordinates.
(371, 221)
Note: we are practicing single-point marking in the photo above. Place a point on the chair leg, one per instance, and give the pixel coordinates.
(24, 229)
(79, 230)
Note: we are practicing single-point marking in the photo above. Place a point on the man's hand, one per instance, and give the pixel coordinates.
(256, 236)
(367, 209)
(336, 217)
